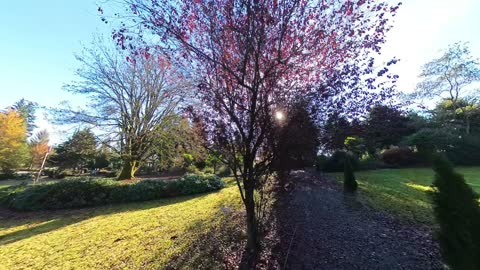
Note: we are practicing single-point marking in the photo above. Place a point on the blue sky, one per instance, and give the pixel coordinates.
(38, 40)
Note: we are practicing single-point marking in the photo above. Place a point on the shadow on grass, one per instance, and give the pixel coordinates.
(45, 221)
(219, 247)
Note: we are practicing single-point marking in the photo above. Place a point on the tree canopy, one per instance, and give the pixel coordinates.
(132, 97)
(13, 144)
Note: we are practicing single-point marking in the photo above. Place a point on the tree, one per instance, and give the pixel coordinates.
(132, 97)
(336, 130)
(461, 116)
(451, 77)
(251, 57)
(76, 153)
(349, 182)
(298, 138)
(13, 144)
(431, 140)
(39, 147)
(27, 110)
(456, 209)
(385, 126)
(176, 139)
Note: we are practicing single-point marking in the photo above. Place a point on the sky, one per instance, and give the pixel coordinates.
(38, 40)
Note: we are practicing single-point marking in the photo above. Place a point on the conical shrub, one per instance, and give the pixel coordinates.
(457, 212)
(349, 182)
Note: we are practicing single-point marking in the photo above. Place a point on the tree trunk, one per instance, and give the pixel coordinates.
(252, 229)
(467, 128)
(129, 169)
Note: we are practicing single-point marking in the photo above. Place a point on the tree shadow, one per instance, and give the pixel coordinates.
(218, 247)
(45, 221)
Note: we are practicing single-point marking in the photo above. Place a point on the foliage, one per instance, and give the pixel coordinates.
(320, 162)
(349, 182)
(458, 214)
(336, 130)
(27, 110)
(174, 141)
(93, 192)
(336, 162)
(401, 156)
(404, 192)
(260, 55)
(76, 153)
(450, 77)
(39, 147)
(463, 115)
(131, 98)
(385, 126)
(144, 235)
(466, 150)
(368, 162)
(429, 140)
(297, 141)
(13, 144)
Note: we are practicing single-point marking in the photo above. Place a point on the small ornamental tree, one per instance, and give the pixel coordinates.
(456, 209)
(349, 182)
(38, 148)
(251, 57)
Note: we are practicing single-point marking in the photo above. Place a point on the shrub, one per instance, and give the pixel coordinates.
(90, 192)
(8, 175)
(335, 163)
(320, 162)
(466, 151)
(192, 169)
(224, 171)
(201, 164)
(208, 170)
(372, 163)
(188, 159)
(349, 182)
(458, 214)
(401, 157)
(428, 140)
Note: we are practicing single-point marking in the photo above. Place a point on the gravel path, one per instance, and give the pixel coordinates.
(322, 228)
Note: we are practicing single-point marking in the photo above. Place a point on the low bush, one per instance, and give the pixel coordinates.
(7, 175)
(192, 169)
(208, 170)
(224, 171)
(89, 192)
(335, 163)
(372, 163)
(401, 157)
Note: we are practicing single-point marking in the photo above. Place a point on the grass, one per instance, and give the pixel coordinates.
(146, 235)
(404, 192)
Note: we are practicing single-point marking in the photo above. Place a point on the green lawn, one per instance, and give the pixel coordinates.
(148, 235)
(404, 191)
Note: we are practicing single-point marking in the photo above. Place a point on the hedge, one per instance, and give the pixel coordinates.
(90, 192)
